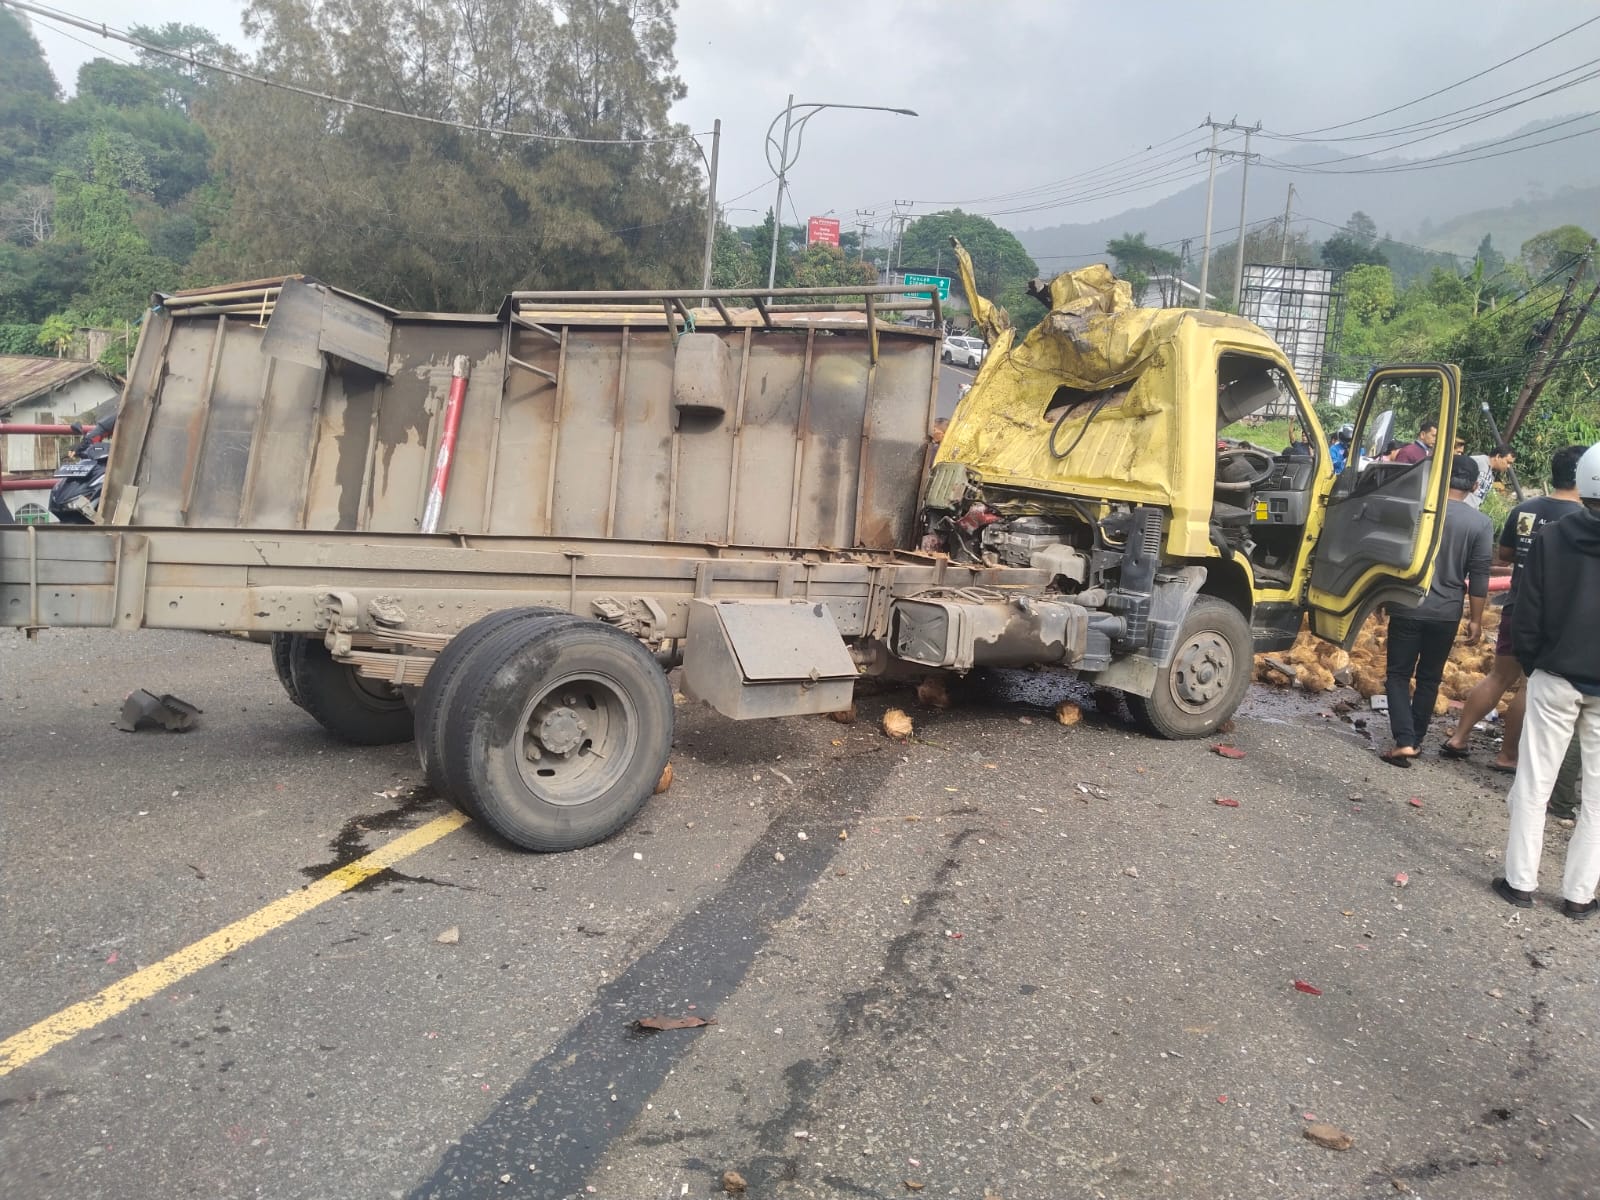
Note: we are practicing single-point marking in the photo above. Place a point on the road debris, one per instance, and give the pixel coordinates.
(913, 1186)
(1327, 1135)
(933, 692)
(845, 716)
(801, 835)
(1583, 1121)
(733, 1183)
(897, 725)
(663, 1023)
(145, 710)
(1401, 879)
(844, 835)
(1300, 985)
(1131, 872)
(1415, 802)
(787, 780)
(1226, 802)
(449, 937)
(665, 781)
(1227, 751)
(1068, 713)
(777, 856)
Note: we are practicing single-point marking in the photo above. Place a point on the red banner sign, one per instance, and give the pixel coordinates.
(822, 229)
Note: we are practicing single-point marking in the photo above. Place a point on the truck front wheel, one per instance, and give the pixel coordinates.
(1208, 676)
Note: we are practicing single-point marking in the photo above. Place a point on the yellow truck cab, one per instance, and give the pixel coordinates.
(1107, 441)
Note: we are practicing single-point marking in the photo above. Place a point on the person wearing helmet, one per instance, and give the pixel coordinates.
(1339, 452)
(1553, 638)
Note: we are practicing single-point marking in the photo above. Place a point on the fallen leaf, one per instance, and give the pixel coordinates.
(665, 781)
(913, 1186)
(1226, 802)
(1300, 985)
(672, 1022)
(837, 742)
(844, 835)
(450, 936)
(733, 1182)
(1402, 879)
(1227, 751)
(1068, 713)
(845, 716)
(897, 725)
(1327, 1135)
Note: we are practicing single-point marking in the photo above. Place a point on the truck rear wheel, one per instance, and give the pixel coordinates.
(557, 732)
(1208, 676)
(282, 648)
(438, 690)
(357, 711)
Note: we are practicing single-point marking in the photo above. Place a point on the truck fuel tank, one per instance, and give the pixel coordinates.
(976, 627)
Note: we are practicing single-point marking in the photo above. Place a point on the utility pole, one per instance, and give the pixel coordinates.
(901, 218)
(1532, 386)
(1238, 258)
(1213, 153)
(864, 220)
(1211, 183)
(711, 208)
(1536, 368)
(1283, 242)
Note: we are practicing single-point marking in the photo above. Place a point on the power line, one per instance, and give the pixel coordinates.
(1451, 87)
(1467, 155)
(111, 34)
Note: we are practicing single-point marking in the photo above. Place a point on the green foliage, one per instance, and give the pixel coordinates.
(828, 266)
(19, 339)
(1555, 249)
(1264, 245)
(1137, 260)
(56, 333)
(1001, 266)
(1473, 320)
(433, 218)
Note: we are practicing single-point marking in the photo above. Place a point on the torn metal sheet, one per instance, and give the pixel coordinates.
(146, 710)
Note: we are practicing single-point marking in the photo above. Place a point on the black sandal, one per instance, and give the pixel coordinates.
(1449, 751)
(1403, 761)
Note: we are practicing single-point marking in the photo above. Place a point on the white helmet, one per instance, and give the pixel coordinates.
(1589, 474)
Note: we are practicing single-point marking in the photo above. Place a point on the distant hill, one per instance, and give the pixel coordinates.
(1510, 197)
(1515, 223)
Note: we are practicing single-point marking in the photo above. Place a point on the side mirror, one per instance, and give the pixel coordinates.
(1381, 429)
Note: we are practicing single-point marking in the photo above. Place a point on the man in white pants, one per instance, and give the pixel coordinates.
(1553, 636)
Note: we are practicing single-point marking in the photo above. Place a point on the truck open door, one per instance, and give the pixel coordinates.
(1383, 521)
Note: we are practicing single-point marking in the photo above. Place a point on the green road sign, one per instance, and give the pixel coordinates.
(942, 282)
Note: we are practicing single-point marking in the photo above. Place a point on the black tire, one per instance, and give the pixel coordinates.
(946, 357)
(282, 648)
(438, 689)
(357, 711)
(557, 732)
(1208, 678)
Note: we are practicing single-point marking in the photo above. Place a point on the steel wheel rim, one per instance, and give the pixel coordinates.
(575, 738)
(1201, 671)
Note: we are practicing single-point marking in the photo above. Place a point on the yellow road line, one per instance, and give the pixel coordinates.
(24, 1047)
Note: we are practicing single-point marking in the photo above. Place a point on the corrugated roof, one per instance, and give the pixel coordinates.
(23, 376)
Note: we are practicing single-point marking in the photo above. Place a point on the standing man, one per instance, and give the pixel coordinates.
(1420, 638)
(1339, 452)
(1553, 637)
(1420, 449)
(1497, 462)
(1516, 538)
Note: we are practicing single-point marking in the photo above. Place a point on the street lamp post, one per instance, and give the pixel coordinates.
(781, 168)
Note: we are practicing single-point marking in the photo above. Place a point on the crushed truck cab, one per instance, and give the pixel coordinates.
(1094, 448)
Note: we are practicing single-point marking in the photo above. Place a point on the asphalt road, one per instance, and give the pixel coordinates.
(1008, 959)
(950, 380)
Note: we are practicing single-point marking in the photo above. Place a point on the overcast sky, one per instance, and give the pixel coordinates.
(1012, 96)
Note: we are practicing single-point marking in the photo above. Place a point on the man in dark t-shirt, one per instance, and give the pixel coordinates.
(1522, 525)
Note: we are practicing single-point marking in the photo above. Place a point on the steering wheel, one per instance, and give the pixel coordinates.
(1254, 465)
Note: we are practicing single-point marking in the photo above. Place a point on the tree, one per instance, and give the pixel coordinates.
(1361, 229)
(1002, 268)
(733, 262)
(1137, 260)
(1555, 250)
(1343, 252)
(440, 218)
(827, 266)
(1488, 258)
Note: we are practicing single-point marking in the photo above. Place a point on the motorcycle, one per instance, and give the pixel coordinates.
(75, 497)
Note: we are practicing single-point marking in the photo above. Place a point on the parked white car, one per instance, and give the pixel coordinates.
(964, 351)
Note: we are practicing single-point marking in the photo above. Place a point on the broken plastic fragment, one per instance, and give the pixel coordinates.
(1227, 751)
(1300, 985)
